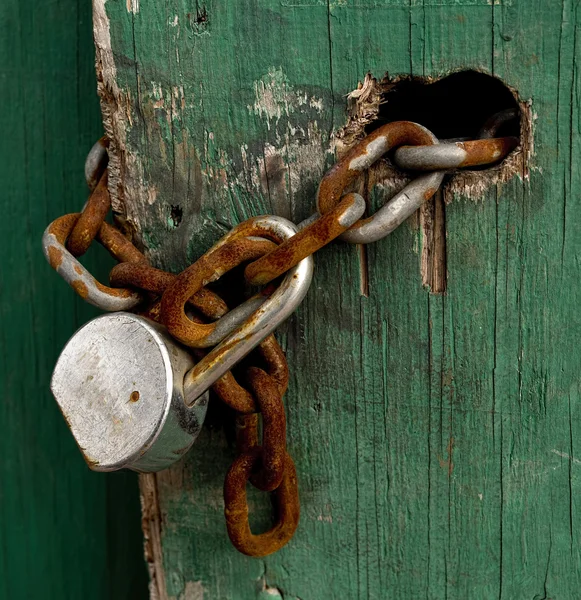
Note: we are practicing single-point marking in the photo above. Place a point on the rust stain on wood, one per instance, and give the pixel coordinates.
(446, 463)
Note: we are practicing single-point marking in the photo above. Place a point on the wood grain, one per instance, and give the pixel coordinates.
(434, 435)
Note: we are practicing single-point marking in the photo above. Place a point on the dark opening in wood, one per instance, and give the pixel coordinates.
(176, 215)
(453, 107)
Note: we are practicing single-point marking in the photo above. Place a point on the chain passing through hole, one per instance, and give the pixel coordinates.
(277, 255)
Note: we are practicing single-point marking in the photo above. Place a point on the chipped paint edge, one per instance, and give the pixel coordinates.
(125, 169)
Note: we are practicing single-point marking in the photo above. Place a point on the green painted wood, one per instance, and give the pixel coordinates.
(65, 532)
(434, 436)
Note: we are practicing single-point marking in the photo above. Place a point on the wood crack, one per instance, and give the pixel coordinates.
(151, 521)
(433, 260)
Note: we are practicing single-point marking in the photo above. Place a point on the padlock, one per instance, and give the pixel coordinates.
(119, 383)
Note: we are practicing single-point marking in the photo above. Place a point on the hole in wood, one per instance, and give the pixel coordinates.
(452, 107)
(175, 216)
(456, 106)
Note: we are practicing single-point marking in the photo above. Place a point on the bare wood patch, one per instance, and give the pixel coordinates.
(433, 258)
(151, 524)
(126, 173)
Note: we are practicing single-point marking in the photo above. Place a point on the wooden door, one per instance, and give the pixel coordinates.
(433, 418)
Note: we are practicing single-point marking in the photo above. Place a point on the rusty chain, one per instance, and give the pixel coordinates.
(199, 318)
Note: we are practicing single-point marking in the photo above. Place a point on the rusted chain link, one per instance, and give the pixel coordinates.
(240, 399)
(269, 247)
(207, 269)
(306, 241)
(91, 219)
(286, 498)
(73, 272)
(99, 202)
(268, 466)
(96, 162)
(492, 126)
(360, 158)
(276, 308)
(269, 400)
(454, 155)
(144, 277)
(448, 154)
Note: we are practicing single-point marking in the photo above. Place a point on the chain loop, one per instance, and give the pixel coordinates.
(454, 155)
(90, 219)
(240, 399)
(286, 499)
(209, 268)
(269, 399)
(307, 241)
(143, 276)
(363, 155)
(73, 272)
(395, 211)
(275, 309)
(99, 202)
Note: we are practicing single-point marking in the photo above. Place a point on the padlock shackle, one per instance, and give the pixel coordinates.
(274, 311)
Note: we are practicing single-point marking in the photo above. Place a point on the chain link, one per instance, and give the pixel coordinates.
(73, 272)
(270, 247)
(144, 277)
(96, 162)
(307, 241)
(209, 268)
(286, 499)
(454, 155)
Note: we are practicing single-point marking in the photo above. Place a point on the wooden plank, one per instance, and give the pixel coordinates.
(59, 522)
(433, 434)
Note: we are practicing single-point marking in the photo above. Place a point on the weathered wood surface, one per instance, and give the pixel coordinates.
(65, 533)
(435, 436)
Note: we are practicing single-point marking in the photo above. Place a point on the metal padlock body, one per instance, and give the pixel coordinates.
(119, 384)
